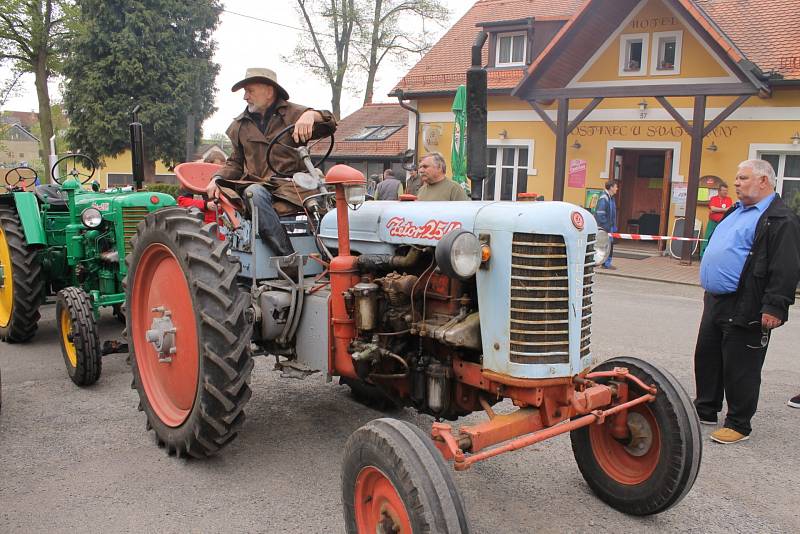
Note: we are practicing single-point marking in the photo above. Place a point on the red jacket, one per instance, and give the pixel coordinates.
(188, 201)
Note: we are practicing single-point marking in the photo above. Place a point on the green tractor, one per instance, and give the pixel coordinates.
(64, 240)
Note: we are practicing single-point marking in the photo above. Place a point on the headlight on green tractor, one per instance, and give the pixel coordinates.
(91, 217)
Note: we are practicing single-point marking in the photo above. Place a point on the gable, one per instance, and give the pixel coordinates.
(670, 49)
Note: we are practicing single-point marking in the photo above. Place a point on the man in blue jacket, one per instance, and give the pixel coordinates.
(606, 215)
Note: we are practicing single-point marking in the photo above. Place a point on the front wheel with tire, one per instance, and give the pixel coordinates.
(656, 466)
(21, 284)
(78, 338)
(188, 333)
(395, 480)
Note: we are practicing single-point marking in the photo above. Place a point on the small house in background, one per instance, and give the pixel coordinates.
(18, 146)
(209, 151)
(371, 139)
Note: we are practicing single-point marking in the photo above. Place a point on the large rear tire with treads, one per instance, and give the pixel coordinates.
(21, 284)
(188, 332)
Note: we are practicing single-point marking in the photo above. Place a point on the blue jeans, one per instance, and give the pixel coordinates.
(270, 229)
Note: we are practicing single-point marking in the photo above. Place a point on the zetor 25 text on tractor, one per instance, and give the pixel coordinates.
(61, 239)
(448, 313)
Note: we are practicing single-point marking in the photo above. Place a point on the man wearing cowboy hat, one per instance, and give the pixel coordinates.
(268, 112)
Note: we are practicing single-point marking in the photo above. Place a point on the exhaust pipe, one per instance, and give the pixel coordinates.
(476, 118)
(137, 149)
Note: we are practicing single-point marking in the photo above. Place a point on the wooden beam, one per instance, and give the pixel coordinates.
(724, 114)
(583, 114)
(561, 149)
(636, 91)
(674, 112)
(543, 114)
(695, 157)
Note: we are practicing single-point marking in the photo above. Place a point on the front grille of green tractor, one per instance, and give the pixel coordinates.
(131, 216)
(540, 299)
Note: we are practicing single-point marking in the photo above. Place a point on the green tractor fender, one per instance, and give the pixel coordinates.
(27, 207)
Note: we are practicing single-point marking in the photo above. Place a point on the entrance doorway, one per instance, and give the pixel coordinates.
(644, 193)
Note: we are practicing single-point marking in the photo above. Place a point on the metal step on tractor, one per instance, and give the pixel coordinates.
(65, 241)
(445, 307)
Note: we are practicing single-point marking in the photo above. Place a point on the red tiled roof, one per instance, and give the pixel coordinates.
(764, 31)
(381, 114)
(25, 118)
(444, 67)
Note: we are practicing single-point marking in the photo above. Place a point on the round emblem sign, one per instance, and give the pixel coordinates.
(577, 220)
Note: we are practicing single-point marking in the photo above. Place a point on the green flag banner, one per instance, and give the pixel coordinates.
(458, 155)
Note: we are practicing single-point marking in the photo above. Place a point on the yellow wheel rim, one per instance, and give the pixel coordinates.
(7, 282)
(66, 330)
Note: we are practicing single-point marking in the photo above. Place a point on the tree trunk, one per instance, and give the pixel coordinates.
(45, 118)
(372, 68)
(336, 100)
(149, 170)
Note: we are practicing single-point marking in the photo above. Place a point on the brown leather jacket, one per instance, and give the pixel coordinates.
(248, 160)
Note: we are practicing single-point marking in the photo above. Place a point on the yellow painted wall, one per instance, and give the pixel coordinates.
(696, 62)
(122, 164)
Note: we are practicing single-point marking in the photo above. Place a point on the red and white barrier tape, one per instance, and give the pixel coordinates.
(642, 237)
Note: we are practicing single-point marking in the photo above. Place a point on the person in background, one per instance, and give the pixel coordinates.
(372, 184)
(606, 215)
(390, 187)
(413, 182)
(436, 184)
(717, 205)
(750, 273)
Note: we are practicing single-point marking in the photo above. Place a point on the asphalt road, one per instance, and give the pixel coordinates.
(76, 460)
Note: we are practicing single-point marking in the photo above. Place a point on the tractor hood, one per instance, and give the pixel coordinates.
(378, 226)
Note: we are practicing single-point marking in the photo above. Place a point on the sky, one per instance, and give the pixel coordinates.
(244, 42)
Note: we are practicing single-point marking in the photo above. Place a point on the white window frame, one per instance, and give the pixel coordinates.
(499, 36)
(513, 144)
(623, 53)
(656, 52)
(780, 175)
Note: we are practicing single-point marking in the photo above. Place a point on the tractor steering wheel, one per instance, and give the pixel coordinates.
(81, 176)
(24, 175)
(277, 141)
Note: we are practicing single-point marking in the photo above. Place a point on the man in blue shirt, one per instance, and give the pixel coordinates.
(606, 216)
(750, 270)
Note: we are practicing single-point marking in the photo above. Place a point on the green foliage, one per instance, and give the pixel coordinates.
(155, 53)
(170, 189)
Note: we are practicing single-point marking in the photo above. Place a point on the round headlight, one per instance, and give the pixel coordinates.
(458, 254)
(91, 217)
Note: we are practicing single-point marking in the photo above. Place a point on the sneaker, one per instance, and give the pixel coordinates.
(726, 436)
(710, 422)
(794, 402)
(609, 267)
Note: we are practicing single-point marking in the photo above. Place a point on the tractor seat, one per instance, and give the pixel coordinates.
(51, 194)
(195, 175)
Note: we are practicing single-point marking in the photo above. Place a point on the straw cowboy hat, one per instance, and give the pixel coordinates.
(258, 75)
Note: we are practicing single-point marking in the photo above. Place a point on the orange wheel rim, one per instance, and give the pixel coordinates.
(160, 290)
(632, 463)
(377, 504)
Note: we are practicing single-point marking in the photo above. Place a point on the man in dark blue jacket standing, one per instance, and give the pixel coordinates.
(606, 215)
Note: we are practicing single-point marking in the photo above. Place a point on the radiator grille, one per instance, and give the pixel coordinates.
(540, 299)
(131, 216)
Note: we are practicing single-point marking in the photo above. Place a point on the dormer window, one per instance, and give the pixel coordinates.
(633, 54)
(511, 49)
(666, 53)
